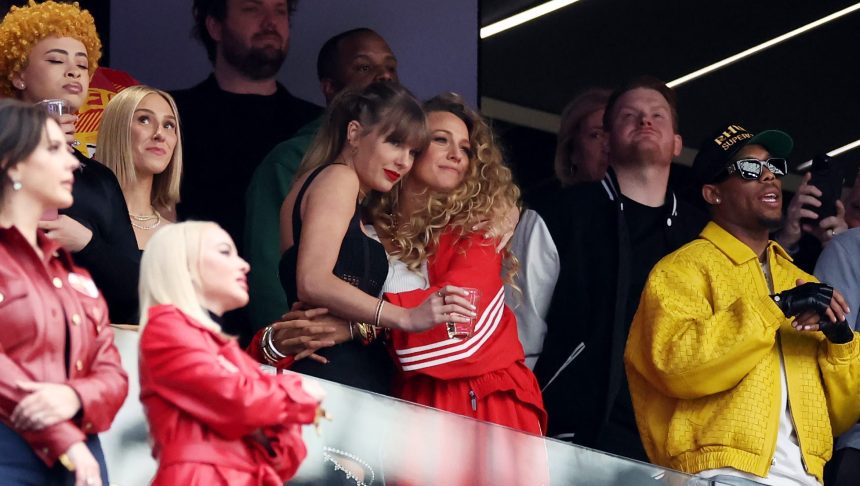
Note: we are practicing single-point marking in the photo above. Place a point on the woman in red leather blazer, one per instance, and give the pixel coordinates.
(215, 418)
(61, 380)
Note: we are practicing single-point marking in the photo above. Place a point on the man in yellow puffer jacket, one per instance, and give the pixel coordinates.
(731, 376)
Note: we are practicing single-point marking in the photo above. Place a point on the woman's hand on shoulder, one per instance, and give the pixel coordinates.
(501, 226)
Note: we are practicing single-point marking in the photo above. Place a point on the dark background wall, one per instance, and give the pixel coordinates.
(437, 48)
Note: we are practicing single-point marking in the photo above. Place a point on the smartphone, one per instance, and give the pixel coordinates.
(827, 176)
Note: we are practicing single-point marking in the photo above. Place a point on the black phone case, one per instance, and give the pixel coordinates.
(829, 182)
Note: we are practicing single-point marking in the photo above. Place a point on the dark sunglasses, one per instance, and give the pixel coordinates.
(751, 169)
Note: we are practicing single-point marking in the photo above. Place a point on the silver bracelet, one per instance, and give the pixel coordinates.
(270, 345)
(338, 467)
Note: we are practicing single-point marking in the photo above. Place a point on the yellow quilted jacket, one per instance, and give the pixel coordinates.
(702, 361)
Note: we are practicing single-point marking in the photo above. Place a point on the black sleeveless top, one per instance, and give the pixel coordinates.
(361, 262)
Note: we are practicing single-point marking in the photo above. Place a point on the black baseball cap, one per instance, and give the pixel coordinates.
(716, 151)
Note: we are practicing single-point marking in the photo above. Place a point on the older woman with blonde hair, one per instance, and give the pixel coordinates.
(580, 155)
(140, 141)
(214, 416)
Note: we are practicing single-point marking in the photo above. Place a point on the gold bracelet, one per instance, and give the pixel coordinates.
(66, 462)
(379, 311)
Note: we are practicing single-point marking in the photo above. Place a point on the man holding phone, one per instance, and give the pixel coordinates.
(741, 366)
(815, 214)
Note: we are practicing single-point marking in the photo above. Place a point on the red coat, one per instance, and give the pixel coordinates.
(203, 397)
(484, 376)
(40, 300)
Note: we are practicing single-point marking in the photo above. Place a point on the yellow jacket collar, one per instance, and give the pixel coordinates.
(734, 248)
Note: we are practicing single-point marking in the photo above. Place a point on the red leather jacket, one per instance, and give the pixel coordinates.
(41, 300)
(204, 397)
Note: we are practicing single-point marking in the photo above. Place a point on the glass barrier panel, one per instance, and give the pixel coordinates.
(375, 439)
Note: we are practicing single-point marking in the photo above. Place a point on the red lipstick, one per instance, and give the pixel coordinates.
(392, 176)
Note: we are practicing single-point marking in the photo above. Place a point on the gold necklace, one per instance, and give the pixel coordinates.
(139, 221)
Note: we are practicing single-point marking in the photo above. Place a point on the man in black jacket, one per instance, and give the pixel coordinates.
(609, 234)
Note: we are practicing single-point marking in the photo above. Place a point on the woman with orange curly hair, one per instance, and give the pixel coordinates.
(428, 227)
(50, 50)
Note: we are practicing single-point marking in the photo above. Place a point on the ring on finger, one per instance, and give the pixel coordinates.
(439, 293)
(89, 480)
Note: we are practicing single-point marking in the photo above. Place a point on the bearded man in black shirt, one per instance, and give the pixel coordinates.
(231, 120)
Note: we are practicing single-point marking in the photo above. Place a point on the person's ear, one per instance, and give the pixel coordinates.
(329, 89)
(353, 133)
(678, 145)
(214, 27)
(18, 82)
(712, 194)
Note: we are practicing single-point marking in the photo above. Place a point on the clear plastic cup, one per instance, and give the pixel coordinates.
(463, 330)
(55, 107)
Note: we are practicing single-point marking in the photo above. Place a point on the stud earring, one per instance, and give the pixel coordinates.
(718, 200)
(20, 85)
(17, 186)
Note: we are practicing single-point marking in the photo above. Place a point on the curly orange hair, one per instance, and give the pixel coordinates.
(24, 27)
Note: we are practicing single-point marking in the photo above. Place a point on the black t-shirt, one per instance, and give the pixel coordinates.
(646, 227)
(225, 136)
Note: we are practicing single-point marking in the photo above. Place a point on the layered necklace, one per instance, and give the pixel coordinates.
(147, 222)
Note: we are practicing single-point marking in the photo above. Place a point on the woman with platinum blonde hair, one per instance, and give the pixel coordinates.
(214, 416)
(140, 141)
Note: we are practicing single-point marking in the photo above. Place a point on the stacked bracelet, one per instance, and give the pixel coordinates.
(270, 352)
(366, 332)
(379, 306)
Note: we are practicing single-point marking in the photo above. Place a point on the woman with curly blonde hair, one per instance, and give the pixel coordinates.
(50, 50)
(431, 229)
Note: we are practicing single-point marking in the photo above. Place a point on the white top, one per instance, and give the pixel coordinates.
(787, 466)
(536, 278)
(400, 278)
